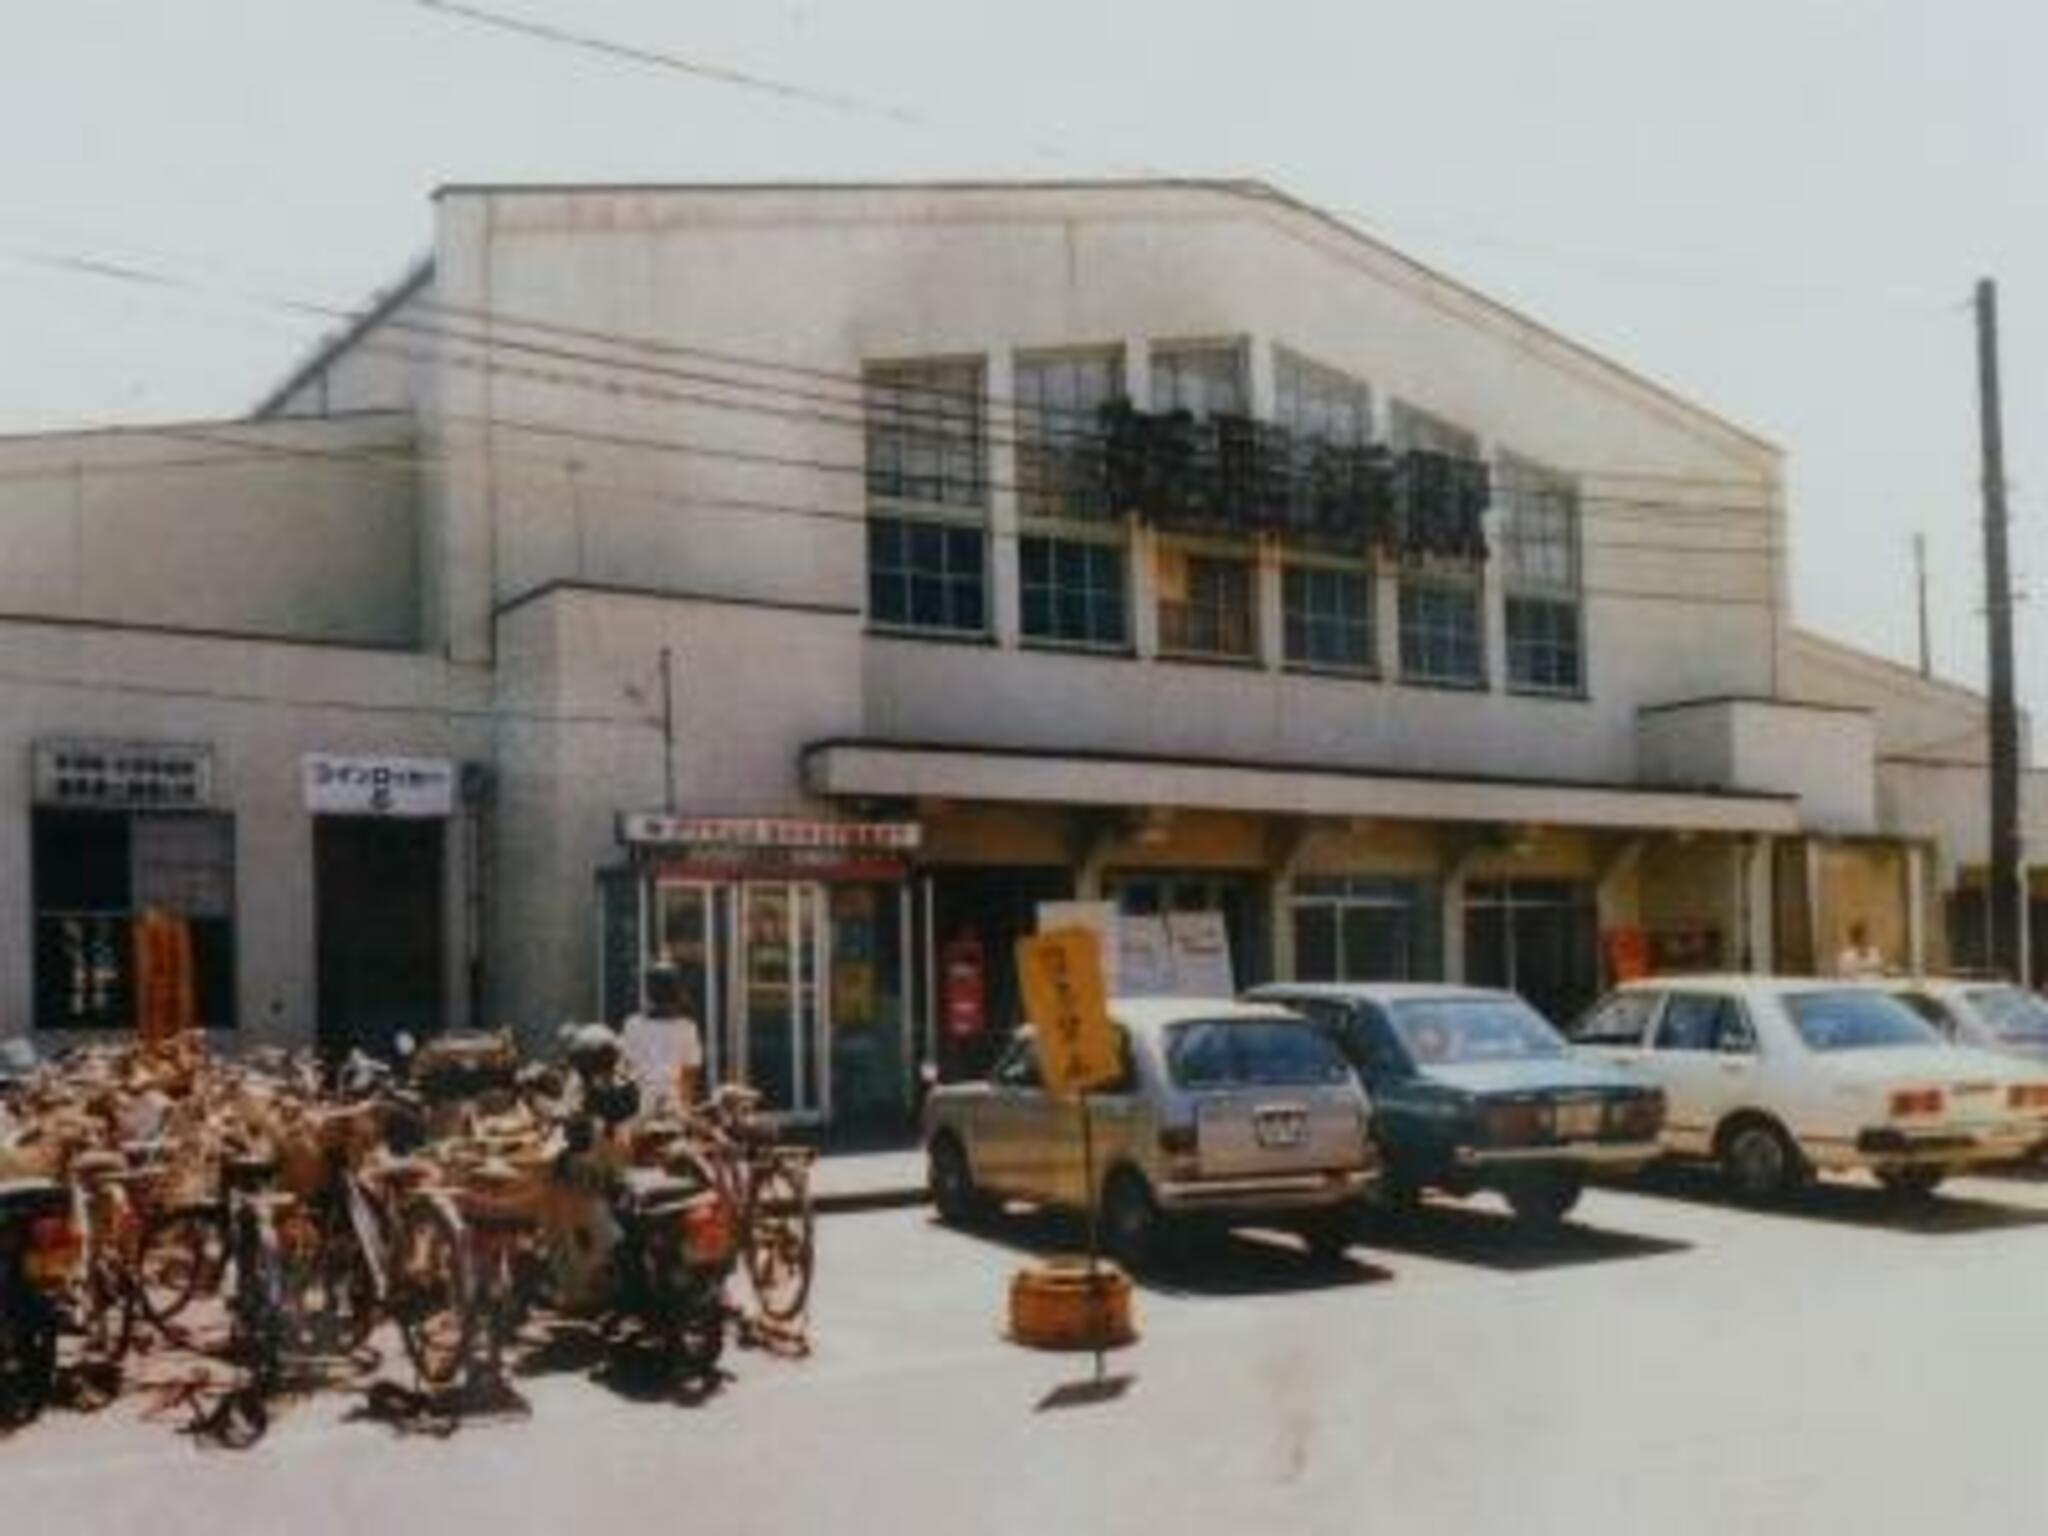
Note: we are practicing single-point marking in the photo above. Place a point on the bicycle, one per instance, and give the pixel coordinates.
(769, 1186)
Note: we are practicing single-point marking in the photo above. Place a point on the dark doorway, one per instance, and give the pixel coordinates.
(977, 917)
(1536, 937)
(377, 893)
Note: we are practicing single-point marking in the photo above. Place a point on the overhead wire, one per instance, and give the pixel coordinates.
(813, 406)
(677, 63)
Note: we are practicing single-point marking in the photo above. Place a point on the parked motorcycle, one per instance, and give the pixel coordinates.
(565, 1220)
(40, 1248)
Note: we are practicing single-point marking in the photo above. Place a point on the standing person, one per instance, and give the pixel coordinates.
(1860, 957)
(662, 1043)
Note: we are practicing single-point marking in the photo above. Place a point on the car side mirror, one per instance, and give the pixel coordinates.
(1737, 1045)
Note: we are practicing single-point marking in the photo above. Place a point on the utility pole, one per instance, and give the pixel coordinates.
(1920, 594)
(2005, 947)
(668, 734)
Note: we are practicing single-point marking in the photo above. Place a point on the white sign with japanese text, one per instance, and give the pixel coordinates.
(379, 786)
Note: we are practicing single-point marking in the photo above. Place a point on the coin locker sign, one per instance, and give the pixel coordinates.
(379, 786)
(1061, 976)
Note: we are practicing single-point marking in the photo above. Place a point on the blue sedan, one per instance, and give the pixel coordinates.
(1471, 1089)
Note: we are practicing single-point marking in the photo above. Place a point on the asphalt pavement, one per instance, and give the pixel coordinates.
(1667, 1363)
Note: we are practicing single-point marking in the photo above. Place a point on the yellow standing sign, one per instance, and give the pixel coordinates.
(1061, 975)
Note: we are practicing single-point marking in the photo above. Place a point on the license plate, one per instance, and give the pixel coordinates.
(1280, 1127)
(1578, 1122)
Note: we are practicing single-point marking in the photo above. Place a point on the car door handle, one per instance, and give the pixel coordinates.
(1734, 1068)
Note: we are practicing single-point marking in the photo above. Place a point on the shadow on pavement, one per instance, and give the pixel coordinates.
(1200, 1262)
(1465, 1234)
(1855, 1205)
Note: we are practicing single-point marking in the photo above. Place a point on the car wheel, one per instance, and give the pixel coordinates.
(1130, 1220)
(951, 1182)
(1914, 1183)
(1331, 1233)
(1398, 1192)
(1543, 1199)
(1760, 1161)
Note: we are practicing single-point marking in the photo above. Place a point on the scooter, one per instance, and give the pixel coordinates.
(40, 1250)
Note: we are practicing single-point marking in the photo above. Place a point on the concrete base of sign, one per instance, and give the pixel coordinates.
(1059, 1304)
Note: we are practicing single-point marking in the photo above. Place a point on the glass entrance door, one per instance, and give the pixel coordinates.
(687, 923)
(781, 1006)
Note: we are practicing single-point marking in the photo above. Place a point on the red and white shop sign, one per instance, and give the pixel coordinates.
(769, 833)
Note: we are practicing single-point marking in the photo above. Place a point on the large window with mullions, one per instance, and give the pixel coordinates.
(1073, 591)
(1072, 545)
(1540, 570)
(927, 491)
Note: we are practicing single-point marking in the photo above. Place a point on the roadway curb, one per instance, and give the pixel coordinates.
(850, 1200)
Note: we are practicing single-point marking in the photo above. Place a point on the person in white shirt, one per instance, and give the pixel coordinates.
(1860, 957)
(662, 1044)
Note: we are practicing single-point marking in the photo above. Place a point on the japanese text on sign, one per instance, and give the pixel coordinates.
(1061, 977)
(379, 786)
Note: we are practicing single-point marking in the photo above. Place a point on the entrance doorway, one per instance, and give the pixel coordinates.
(1535, 937)
(378, 931)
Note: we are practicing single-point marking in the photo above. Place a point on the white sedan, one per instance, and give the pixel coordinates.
(1995, 1015)
(1776, 1078)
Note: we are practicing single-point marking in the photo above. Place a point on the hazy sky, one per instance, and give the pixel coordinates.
(1777, 207)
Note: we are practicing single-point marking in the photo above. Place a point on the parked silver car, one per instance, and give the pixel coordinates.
(1235, 1112)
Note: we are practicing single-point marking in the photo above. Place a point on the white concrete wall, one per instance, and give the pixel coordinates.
(293, 530)
(821, 281)
(385, 364)
(579, 740)
(1916, 716)
(1826, 755)
(1949, 803)
(260, 707)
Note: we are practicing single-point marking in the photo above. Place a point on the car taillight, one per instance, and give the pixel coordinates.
(1510, 1125)
(1916, 1101)
(2028, 1096)
(708, 1236)
(1640, 1115)
(1177, 1140)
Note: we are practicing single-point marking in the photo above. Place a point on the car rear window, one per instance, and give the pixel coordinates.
(2011, 1013)
(1240, 1053)
(1856, 1020)
(1448, 1029)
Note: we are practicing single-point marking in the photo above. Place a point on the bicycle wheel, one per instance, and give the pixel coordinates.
(258, 1317)
(431, 1291)
(781, 1240)
(182, 1256)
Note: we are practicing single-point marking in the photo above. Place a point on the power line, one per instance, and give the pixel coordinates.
(852, 517)
(569, 378)
(677, 63)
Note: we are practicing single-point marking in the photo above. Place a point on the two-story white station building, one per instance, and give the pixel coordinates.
(804, 583)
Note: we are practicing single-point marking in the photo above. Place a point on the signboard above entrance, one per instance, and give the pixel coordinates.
(647, 828)
(379, 786)
(770, 847)
(123, 775)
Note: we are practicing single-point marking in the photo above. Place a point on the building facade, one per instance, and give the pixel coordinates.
(805, 584)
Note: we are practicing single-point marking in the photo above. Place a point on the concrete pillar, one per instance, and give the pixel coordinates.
(1268, 589)
(1760, 907)
(1144, 590)
(1005, 601)
(1493, 612)
(1916, 909)
(1816, 942)
(1289, 840)
(1458, 862)
(1619, 866)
